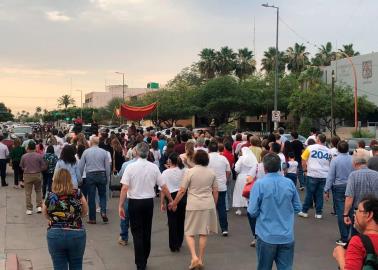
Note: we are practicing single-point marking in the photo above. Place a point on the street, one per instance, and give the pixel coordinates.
(26, 236)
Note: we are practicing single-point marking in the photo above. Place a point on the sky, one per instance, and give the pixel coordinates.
(50, 48)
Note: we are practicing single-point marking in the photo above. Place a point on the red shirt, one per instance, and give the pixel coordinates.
(235, 144)
(229, 156)
(355, 254)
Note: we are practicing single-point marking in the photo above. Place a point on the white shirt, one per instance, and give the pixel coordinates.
(318, 161)
(333, 151)
(220, 165)
(201, 148)
(141, 177)
(4, 152)
(310, 137)
(260, 171)
(283, 163)
(293, 166)
(172, 178)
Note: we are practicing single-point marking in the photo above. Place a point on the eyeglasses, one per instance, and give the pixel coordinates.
(361, 211)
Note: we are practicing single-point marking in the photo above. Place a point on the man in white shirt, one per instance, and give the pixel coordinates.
(138, 185)
(312, 135)
(222, 170)
(4, 153)
(316, 159)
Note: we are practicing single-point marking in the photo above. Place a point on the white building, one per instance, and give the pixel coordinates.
(366, 73)
(101, 99)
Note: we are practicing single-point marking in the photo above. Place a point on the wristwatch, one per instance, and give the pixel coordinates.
(345, 215)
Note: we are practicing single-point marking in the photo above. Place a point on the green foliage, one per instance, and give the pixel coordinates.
(297, 58)
(268, 62)
(5, 113)
(362, 134)
(65, 101)
(305, 127)
(324, 56)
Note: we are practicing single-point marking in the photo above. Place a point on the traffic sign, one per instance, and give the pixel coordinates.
(276, 116)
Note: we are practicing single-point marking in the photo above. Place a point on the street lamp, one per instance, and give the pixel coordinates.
(276, 68)
(81, 103)
(123, 84)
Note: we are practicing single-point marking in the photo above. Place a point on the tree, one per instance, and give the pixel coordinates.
(225, 61)
(65, 101)
(190, 76)
(324, 56)
(297, 58)
(245, 64)
(348, 50)
(207, 64)
(5, 113)
(268, 63)
(310, 77)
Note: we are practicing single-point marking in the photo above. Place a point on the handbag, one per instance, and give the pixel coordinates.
(115, 179)
(248, 186)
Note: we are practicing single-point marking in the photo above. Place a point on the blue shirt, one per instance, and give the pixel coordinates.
(124, 166)
(274, 201)
(161, 144)
(339, 171)
(95, 159)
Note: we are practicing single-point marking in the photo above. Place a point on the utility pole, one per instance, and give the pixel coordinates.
(332, 105)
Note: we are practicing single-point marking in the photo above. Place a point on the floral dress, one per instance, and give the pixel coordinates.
(64, 211)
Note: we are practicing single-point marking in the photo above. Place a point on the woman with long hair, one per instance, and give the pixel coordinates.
(68, 161)
(64, 207)
(169, 149)
(188, 156)
(155, 152)
(172, 177)
(81, 140)
(201, 215)
(117, 155)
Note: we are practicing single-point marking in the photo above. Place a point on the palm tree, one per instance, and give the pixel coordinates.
(65, 101)
(324, 56)
(207, 64)
(310, 78)
(348, 50)
(268, 63)
(225, 61)
(245, 64)
(297, 58)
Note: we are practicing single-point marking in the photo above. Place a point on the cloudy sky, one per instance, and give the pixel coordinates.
(45, 45)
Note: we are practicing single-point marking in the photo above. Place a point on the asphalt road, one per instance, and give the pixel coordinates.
(26, 236)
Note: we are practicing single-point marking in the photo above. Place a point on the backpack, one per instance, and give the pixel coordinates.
(371, 258)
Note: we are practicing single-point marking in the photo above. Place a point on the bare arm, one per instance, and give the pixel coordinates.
(179, 196)
(215, 194)
(44, 210)
(84, 206)
(162, 201)
(122, 198)
(347, 207)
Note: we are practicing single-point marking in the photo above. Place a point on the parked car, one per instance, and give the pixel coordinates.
(22, 131)
(290, 138)
(353, 144)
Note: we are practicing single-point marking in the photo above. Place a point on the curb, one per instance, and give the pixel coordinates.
(11, 262)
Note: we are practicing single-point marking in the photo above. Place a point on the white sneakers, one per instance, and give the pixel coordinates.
(39, 210)
(318, 216)
(304, 215)
(238, 212)
(29, 212)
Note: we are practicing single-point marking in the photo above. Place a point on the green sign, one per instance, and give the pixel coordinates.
(153, 85)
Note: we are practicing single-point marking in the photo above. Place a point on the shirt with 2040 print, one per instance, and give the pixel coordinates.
(318, 160)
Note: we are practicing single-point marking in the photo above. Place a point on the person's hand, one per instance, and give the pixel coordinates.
(170, 206)
(249, 179)
(326, 196)
(347, 221)
(162, 207)
(339, 255)
(174, 208)
(121, 212)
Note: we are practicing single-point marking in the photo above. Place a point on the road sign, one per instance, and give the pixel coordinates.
(276, 116)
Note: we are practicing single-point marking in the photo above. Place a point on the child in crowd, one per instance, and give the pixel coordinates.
(292, 167)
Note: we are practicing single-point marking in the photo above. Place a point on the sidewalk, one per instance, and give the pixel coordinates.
(26, 236)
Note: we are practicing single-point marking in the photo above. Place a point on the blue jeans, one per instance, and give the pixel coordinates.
(338, 193)
(293, 177)
(314, 189)
(221, 208)
(96, 180)
(282, 254)
(66, 248)
(47, 183)
(301, 177)
(125, 223)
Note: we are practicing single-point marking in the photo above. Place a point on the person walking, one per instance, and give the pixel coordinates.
(187, 157)
(138, 183)
(51, 159)
(172, 177)
(95, 161)
(337, 179)
(66, 237)
(297, 147)
(221, 167)
(274, 201)
(243, 166)
(201, 185)
(4, 153)
(33, 164)
(316, 159)
(15, 157)
(68, 161)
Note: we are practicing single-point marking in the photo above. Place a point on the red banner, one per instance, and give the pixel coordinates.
(137, 113)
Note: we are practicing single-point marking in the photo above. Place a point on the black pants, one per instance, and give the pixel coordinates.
(140, 213)
(176, 222)
(18, 173)
(3, 171)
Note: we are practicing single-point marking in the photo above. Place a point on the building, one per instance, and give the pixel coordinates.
(366, 74)
(101, 99)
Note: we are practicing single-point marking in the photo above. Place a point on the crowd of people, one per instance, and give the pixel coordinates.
(199, 178)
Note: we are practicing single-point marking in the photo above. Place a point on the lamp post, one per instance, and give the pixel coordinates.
(123, 84)
(276, 67)
(81, 103)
